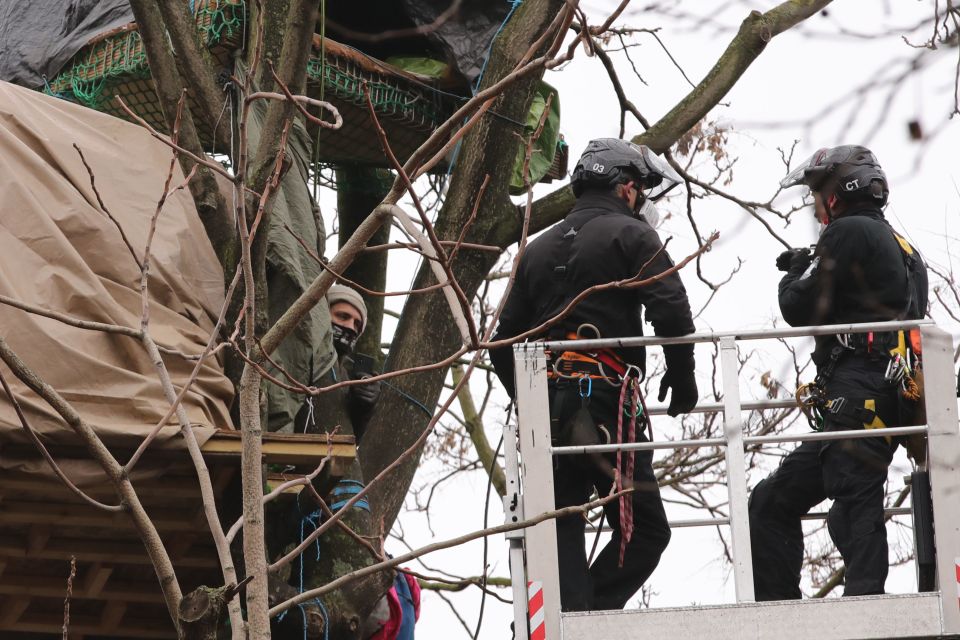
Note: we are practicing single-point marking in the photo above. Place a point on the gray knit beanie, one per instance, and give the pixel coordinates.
(340, 293)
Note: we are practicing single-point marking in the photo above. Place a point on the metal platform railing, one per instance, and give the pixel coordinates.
(533, 551)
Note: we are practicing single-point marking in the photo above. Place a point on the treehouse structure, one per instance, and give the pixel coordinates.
(60, 251)
(416, 84)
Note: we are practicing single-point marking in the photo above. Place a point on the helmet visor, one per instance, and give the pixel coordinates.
(661, 177)
(798, 175)
(811, 172)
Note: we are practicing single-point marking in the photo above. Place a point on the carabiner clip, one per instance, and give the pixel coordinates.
(589, 382)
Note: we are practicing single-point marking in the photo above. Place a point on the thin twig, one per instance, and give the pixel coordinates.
(103, 207)
(49, 458)
(66, 600)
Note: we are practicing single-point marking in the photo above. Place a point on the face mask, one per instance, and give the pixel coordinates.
(649, 211)
(344, 339)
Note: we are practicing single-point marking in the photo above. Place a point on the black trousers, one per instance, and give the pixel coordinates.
(851, 472)
(603, 585)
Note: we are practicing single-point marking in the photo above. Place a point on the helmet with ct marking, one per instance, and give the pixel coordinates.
(850, 172)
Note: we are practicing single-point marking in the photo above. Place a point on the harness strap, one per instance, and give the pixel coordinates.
(843, 408)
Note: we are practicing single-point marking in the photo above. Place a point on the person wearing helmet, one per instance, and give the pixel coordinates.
(605, 238)
(859, 271)
(348, 320)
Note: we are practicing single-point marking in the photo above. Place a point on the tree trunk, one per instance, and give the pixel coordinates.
(427, 332)
(359, 191)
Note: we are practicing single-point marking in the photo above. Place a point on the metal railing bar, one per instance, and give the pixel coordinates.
(639, 446)
(715, 522)
(715, 336)
(892, 511)
(720, 442)
(836, 435)
(716, 407)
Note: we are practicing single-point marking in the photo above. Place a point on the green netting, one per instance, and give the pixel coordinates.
(87, 79)
(213, 19)
(120, 59)
(346, 81)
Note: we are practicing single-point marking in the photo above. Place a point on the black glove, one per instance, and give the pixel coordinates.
(794, 258)
(365, 394)
(684, 396)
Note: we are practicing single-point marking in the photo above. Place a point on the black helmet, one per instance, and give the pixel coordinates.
(850, 172)
(610, 161)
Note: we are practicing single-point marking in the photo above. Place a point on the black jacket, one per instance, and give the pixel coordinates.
(858, 274)
(600, 241)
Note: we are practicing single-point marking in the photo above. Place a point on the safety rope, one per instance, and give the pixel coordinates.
(625, 459)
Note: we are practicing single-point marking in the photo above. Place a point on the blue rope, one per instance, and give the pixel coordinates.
(348, 488)
(345, 487)
(476, 84)
(409, 397)
(513, 7)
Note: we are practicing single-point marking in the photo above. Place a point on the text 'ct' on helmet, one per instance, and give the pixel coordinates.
(850, 172)
(610, 161)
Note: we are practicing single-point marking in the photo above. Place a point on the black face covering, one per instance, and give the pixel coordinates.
(344, 340)
(638, 205)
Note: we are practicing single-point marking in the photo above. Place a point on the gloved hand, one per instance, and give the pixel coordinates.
(684, 396)
(791, 258)
(366, 394)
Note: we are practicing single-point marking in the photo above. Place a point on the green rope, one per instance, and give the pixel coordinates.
(88, 85)
(386, 98)
(212, 22)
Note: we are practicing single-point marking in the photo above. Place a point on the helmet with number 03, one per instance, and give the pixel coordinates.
(850, 172)
(610, 161)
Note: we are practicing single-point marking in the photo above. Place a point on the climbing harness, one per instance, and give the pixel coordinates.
(601, 364)
(904, 351)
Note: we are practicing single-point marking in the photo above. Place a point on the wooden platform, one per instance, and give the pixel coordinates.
(115, 591)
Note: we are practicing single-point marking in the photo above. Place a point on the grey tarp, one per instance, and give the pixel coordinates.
(38, 37)
(60, 251)
(466, 38)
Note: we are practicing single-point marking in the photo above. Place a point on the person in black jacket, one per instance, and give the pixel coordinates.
(860, 271)
(604, 239)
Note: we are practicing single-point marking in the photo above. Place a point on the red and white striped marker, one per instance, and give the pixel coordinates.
(538, 630)
(956, 568)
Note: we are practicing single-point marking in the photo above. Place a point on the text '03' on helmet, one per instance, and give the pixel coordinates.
(851, 172)
(610, 161)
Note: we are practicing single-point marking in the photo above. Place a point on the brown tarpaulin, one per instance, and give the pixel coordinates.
(60, 251)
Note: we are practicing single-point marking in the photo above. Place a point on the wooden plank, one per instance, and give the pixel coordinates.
(37, 538)
(287, 448)
(112, 549)
(112, 615)
(55, 587)
(140, 629)
(166, 488)
(12, 611)
(82, 515)
(95, 579)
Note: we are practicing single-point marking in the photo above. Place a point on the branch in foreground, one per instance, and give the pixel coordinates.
(437, 546)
